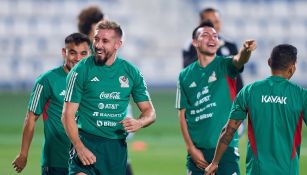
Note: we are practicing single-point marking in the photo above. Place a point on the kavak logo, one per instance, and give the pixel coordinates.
(124, 82)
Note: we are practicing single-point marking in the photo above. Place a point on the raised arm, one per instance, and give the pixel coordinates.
(244, 54)
(70, 126)
(28, 130)
(147, 117)
(225, 138)
(195, 153)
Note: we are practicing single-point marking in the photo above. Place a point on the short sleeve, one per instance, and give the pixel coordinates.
(139, 90)
(230, 69)
(239, 107)
(74, 86)
(39, 96)
(181, 98)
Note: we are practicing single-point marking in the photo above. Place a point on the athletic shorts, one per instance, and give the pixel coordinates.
(54, 171)
(111, 156)
(229, 164)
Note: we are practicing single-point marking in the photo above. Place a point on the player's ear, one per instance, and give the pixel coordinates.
(194, 43)
(118, 44)
(64, 52)
(269, 62)
(291, 70)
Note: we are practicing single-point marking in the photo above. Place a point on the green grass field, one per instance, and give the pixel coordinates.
(164, 155)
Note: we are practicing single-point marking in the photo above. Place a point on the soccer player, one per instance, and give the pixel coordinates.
(99, 88)
(226, 48)
(204, 97)
(275, 108)
(47, 98)
(88, 18)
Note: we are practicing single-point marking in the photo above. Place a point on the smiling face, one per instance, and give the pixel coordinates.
(106, 43)
(73, 53)
(206, 41)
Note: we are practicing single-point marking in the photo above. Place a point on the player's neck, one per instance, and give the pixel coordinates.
(282, 74)
(204, 60)
(111, 60)
(66, 68)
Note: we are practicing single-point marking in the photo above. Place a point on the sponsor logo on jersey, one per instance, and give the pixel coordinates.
(107, 106)
(212, 77)
(203, 92)
(95, 79)
(203, 116)
(210, 105)
(202, 100)
(112, 95)
(105, 123)
(273, 99)
(124, 81)
(101, 114)
(192, 85)
(62, 93)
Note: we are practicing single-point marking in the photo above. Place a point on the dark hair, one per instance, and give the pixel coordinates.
(282, 56)
(206, 10)
(107, 24)
(77, 38)
(88, 17)
(203, 24)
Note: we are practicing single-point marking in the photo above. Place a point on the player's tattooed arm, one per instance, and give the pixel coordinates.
(229, 130)
(225, 138)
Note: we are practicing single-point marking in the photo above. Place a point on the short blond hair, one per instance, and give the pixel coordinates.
(111, 25)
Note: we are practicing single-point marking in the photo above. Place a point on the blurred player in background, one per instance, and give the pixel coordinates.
(276, 109)
(226, 48)
(205, 92)
(99, 88)
(88, 18)
(47, 99)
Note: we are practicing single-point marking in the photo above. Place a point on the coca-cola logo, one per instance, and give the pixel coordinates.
(112, 95)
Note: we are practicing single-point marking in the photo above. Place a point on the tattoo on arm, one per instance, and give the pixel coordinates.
(227, 134)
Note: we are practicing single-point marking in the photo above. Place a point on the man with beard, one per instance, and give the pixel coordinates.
(47, 99)
(87, 20)
(205, 92)
(99, 88)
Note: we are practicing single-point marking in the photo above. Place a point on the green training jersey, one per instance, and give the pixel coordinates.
(207, 93)
(276, 109)
(47, 98)
(103, 93)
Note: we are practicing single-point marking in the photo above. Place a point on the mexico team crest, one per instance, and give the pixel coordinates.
(124, 82)
(212, 77)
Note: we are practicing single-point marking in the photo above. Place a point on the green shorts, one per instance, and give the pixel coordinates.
(229, 164)
(54, 171)
(111, 156)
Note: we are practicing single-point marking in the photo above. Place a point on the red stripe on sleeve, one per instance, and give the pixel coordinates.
(45, 115)
(232, 87)
(251, 135)
(297, 136)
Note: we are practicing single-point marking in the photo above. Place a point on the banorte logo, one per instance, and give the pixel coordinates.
(112, 95)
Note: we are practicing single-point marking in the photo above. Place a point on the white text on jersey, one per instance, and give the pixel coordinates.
(273, 99)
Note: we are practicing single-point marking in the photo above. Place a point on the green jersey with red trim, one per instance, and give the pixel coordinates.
(47, 98)
(276, 109)
(207, 93)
